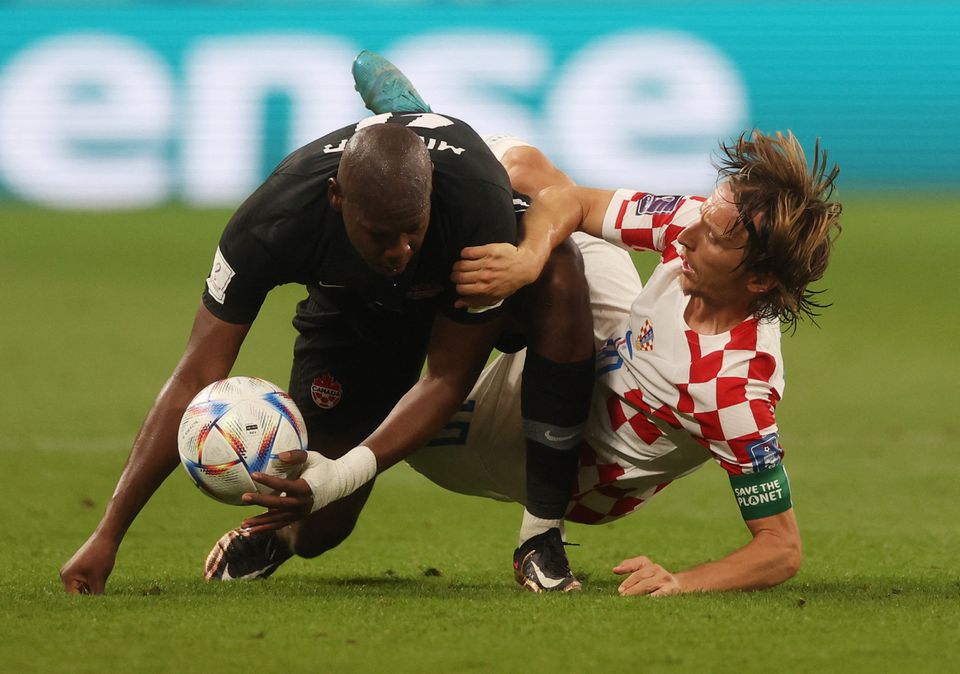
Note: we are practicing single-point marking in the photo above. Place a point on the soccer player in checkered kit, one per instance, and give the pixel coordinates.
(371, 218)
(689, 366)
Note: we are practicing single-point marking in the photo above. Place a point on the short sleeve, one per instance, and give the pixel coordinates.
(237, 284)
(260, 248)
(648, 222)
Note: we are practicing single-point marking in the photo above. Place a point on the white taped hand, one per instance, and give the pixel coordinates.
(331, 480)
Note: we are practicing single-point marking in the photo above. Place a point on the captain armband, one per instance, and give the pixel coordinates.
(762, 494)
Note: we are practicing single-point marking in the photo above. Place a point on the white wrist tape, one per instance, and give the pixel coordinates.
(331, 480)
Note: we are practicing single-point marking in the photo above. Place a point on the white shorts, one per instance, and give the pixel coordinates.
(499, 143)
(482, 451)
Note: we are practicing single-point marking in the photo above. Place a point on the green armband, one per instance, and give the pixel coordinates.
(762, 494)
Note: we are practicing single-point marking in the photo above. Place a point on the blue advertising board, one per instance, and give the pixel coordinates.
(134, 104)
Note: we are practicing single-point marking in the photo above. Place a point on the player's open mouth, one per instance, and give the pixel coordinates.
(685, 266)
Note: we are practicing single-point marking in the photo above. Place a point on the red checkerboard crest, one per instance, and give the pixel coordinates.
(326, 391)
(644, 339)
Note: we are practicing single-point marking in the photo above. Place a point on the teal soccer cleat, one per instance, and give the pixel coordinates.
(383, 87)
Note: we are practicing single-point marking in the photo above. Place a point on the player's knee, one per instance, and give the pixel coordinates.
(325, 529)
(531, 171)
(562, 281)
(561, 306)
(316, 541)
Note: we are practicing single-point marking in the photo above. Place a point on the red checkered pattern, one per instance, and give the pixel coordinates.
(675, 401)
(636, 227)
(724, 398)
(606, 491)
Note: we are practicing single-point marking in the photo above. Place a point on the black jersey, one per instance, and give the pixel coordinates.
(287, 232)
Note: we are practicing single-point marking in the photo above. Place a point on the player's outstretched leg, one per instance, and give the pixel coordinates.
(383, 87)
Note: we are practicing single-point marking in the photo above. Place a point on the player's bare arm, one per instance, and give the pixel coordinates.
(455, 357)
(210, 353)
(772, 556)
(491, 272)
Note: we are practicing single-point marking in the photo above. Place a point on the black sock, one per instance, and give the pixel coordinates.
(554, 403)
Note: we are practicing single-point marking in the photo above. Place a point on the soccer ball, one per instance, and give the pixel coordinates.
(235, 427)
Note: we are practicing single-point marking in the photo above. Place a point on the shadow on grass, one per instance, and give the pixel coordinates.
(301, 586)
(860, 590)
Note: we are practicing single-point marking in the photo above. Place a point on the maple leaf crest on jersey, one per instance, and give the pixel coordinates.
(326, 391)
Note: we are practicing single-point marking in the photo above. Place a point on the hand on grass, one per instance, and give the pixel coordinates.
(87, 571)
(646, 577)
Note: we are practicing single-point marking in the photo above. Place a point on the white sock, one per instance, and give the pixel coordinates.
(532, 526)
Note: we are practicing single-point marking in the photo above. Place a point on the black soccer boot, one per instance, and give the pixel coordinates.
(239, 557)
(540, 564)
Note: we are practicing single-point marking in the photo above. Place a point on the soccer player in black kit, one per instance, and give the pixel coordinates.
(371, 219)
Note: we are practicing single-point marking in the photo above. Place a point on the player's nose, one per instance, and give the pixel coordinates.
(398, 249)
(399, 253)
(687, 237)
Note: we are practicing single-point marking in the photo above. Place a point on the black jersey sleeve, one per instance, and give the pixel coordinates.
(237, 286)
(482, 212)
(261, 247)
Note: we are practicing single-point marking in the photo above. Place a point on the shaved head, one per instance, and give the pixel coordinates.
(386, 172)
(382, 190)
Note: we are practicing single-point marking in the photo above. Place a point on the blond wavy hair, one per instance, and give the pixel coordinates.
(791, 219)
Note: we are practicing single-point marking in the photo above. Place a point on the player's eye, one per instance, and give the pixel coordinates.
(416, 228)
(382, 237)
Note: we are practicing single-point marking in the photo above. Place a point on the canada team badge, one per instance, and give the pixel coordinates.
(326, 391)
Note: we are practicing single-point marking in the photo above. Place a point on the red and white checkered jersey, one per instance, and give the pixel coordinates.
(667, 398)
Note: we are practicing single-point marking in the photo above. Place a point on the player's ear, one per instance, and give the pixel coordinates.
(334, 194)
(761, 283)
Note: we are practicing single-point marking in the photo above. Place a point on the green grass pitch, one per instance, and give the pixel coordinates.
(95, 310)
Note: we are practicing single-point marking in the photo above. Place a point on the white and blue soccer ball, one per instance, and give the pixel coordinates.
(235, 427)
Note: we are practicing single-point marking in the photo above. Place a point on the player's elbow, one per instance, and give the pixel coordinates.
(531, 171)
(793, 560)
(782, 558)
(789, 559)
(780, 565)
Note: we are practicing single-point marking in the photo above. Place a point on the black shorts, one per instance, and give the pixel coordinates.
(351, 368)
